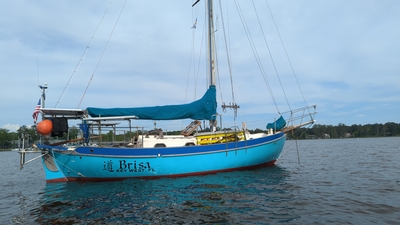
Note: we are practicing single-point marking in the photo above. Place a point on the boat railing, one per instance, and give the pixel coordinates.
(300, 117)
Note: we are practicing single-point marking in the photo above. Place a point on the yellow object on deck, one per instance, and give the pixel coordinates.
(213, 138)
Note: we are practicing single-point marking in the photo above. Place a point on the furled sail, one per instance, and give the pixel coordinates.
(204, 108)
(277, 125)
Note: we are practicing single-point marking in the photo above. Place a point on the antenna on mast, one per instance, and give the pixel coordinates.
(44, 87)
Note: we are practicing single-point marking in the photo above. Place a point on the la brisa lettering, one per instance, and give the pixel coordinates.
(124, 166)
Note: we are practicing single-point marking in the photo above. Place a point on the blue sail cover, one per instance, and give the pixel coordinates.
(203, 108)
(279, 124)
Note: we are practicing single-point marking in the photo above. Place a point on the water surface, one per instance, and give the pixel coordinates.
(338, 181)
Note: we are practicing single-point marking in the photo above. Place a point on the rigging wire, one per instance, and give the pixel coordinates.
(192, 59)
(252, 45)
(228, 59)
(287, 56)
(101, 56)
(199, 60)
(270, 54)
(296, 139)
(83, 55)
(217, 71)
(192, 53)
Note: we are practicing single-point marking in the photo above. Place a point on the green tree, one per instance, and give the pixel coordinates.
(73, 132)
(4, 139)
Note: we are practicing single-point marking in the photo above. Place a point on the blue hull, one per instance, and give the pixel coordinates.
(103, 163)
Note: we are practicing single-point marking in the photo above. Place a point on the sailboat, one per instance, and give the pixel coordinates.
(153, 154)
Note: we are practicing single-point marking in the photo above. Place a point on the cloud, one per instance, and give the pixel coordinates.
(11, 127)
(344, 55)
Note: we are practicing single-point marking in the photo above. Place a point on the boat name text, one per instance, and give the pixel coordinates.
(124, 166)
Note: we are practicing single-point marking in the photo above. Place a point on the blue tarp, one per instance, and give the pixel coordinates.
(203, 108)
(85, 129)
(278, 125)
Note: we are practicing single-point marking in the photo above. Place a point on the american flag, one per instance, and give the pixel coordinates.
(36, 112)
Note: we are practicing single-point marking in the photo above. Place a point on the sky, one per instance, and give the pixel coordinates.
(344, 56)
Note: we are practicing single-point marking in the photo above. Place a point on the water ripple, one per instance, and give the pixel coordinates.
(346, 181)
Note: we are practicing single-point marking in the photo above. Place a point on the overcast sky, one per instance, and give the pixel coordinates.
(345, 55)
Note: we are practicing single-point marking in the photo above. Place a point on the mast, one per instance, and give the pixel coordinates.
(211, 43)
(211, 56)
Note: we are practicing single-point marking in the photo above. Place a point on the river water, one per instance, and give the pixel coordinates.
(333, 181)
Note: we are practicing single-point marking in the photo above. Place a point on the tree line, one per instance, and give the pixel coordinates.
(9, 140)
(24, 136)
(344, 131)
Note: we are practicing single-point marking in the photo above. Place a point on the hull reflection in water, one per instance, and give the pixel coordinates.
(228, 198)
